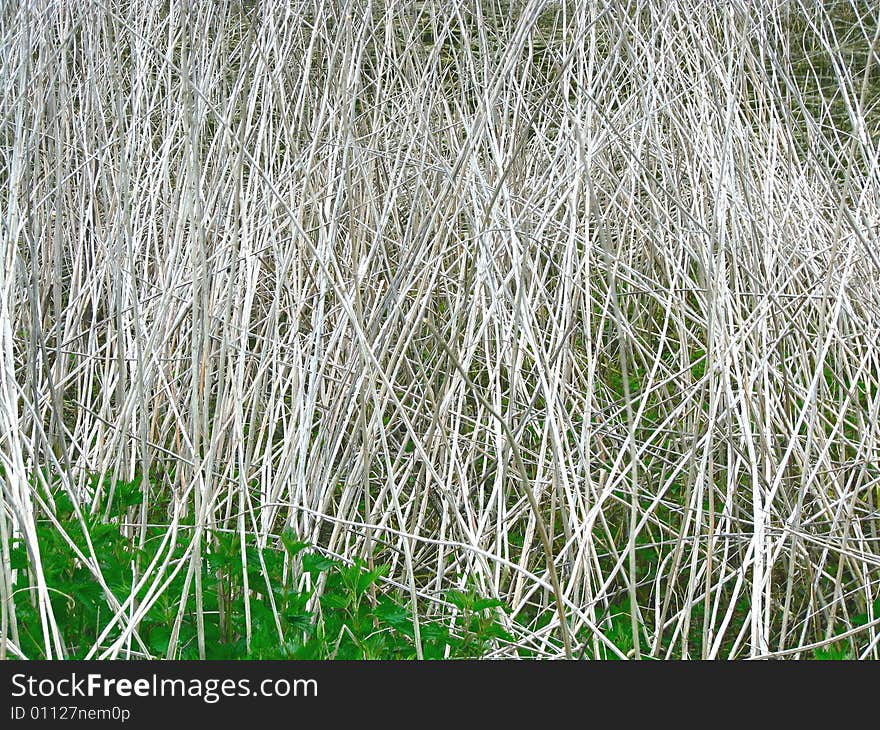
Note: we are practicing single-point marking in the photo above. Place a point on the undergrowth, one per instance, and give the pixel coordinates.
(352, 616)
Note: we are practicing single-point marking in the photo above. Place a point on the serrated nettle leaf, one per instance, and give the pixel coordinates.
(434, 632)
(299, 621)
(316, 563)
(367, 579)
(291, 543)
(392, 613)
(159, 638)
(458, 599)
(335, 601)
(18, 558)
(378, 625)
(482, 604)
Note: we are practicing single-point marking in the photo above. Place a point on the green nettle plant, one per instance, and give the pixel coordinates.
(464, 328)
(350, 617)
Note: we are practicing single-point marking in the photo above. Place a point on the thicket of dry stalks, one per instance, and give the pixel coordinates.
(425, 280)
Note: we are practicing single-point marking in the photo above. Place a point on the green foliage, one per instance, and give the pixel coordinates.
(617, 626)
(843, 650)
(833, 653)
(325, 609)
(320, 607)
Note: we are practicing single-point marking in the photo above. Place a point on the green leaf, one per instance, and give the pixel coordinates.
(830, 653)
(434, 632)
(394, 615)
(63, 505)
(18, 559)
(368, 578)
(291, 543)
(458, 599)
(357, 580)
(158, 639)
(335, 600)
(482, 604)
(129, 494)
(316, 563)
(299, 621)
(497, 631)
